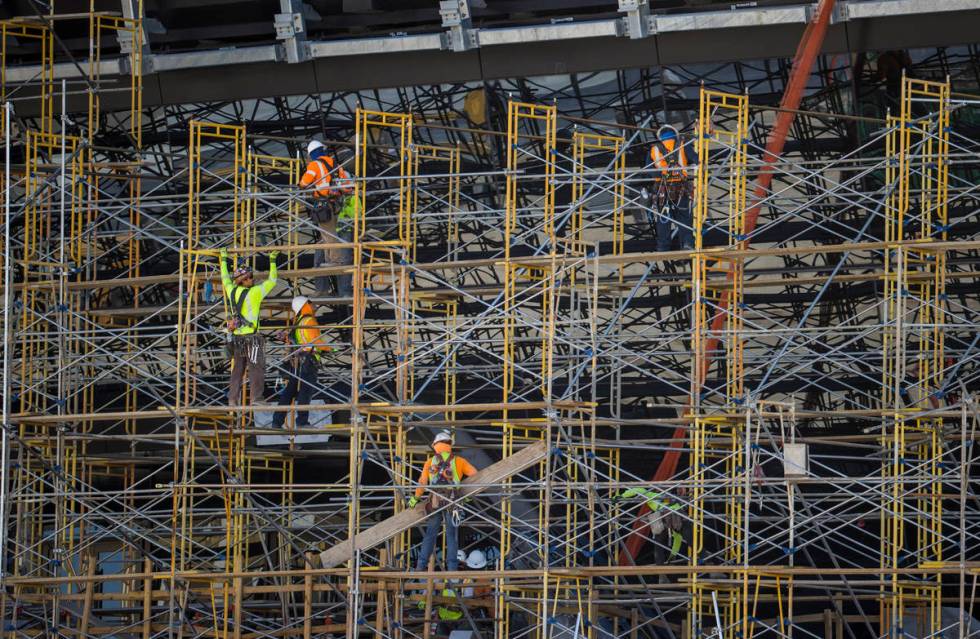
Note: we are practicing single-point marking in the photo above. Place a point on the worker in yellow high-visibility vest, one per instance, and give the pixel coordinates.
(247, 349)
(665, 518)
(306, 344)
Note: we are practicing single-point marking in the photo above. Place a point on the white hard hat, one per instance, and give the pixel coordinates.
(461, 555)
(477, 560)
(443, 436)
(313, 146)
(299, 302)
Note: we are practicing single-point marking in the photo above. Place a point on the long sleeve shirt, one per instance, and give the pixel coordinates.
(252, 304)
(655, 501)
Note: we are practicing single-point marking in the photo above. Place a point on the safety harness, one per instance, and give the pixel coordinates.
(673, 183)
(295, 341)
(443, 481)
(237, 319)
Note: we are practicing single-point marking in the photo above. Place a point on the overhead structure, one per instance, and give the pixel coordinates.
(804, 378)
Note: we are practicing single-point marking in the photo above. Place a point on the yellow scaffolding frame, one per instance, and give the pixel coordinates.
(717, 306)
(122, 28)
(583, 145)
(913, 354)
(44, 35)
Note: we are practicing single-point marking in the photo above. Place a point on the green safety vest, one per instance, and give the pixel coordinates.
(654, 503)
(448, 614)
(350, 209)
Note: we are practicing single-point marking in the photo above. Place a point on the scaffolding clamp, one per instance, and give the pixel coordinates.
(291, 29)
(460, 34)
(638, 22)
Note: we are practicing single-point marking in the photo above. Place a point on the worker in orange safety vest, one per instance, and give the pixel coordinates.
(333, 211)
(674, 164)
(441, 476)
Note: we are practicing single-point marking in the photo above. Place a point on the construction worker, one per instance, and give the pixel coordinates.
(442, 474)
(306, 344)
(477, 560)
(664, 518)
(247, 349)
(448, 613)
(672, 188)
(333, 212)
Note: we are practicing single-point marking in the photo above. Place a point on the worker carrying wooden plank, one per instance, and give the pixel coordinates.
(442, 474)
(383, 531)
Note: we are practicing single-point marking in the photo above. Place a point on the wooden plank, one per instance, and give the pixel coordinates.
(147, 598)
(385, 530)
(308, 599)
(427, 628)
(89, 591)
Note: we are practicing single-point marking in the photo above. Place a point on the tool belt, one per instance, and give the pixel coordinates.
(299, 356)
(324, 208)
(244, 346)
(439, 497)
(673, 191)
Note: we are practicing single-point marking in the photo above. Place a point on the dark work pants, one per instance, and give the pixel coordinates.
(432, 536)
(300, 386)
(248, 356)
(675, 213)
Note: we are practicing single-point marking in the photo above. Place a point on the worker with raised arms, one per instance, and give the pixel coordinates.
(246, 347)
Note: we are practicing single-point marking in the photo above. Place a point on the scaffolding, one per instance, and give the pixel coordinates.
(827, 482)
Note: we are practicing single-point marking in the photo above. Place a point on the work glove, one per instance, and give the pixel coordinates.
(224, 254)
(616, 496)
(273, 255)
(413, 502)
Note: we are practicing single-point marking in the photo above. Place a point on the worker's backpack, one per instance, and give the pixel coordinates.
(442, 482)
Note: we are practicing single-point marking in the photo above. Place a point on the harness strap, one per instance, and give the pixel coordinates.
(239, 304)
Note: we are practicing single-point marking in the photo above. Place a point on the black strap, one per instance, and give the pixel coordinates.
(239, 304)
(444, 467)
(673, 157)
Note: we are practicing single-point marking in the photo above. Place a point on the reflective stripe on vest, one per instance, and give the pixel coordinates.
(323, 182)
(670, 160)
(434, 464)
(295, 337)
